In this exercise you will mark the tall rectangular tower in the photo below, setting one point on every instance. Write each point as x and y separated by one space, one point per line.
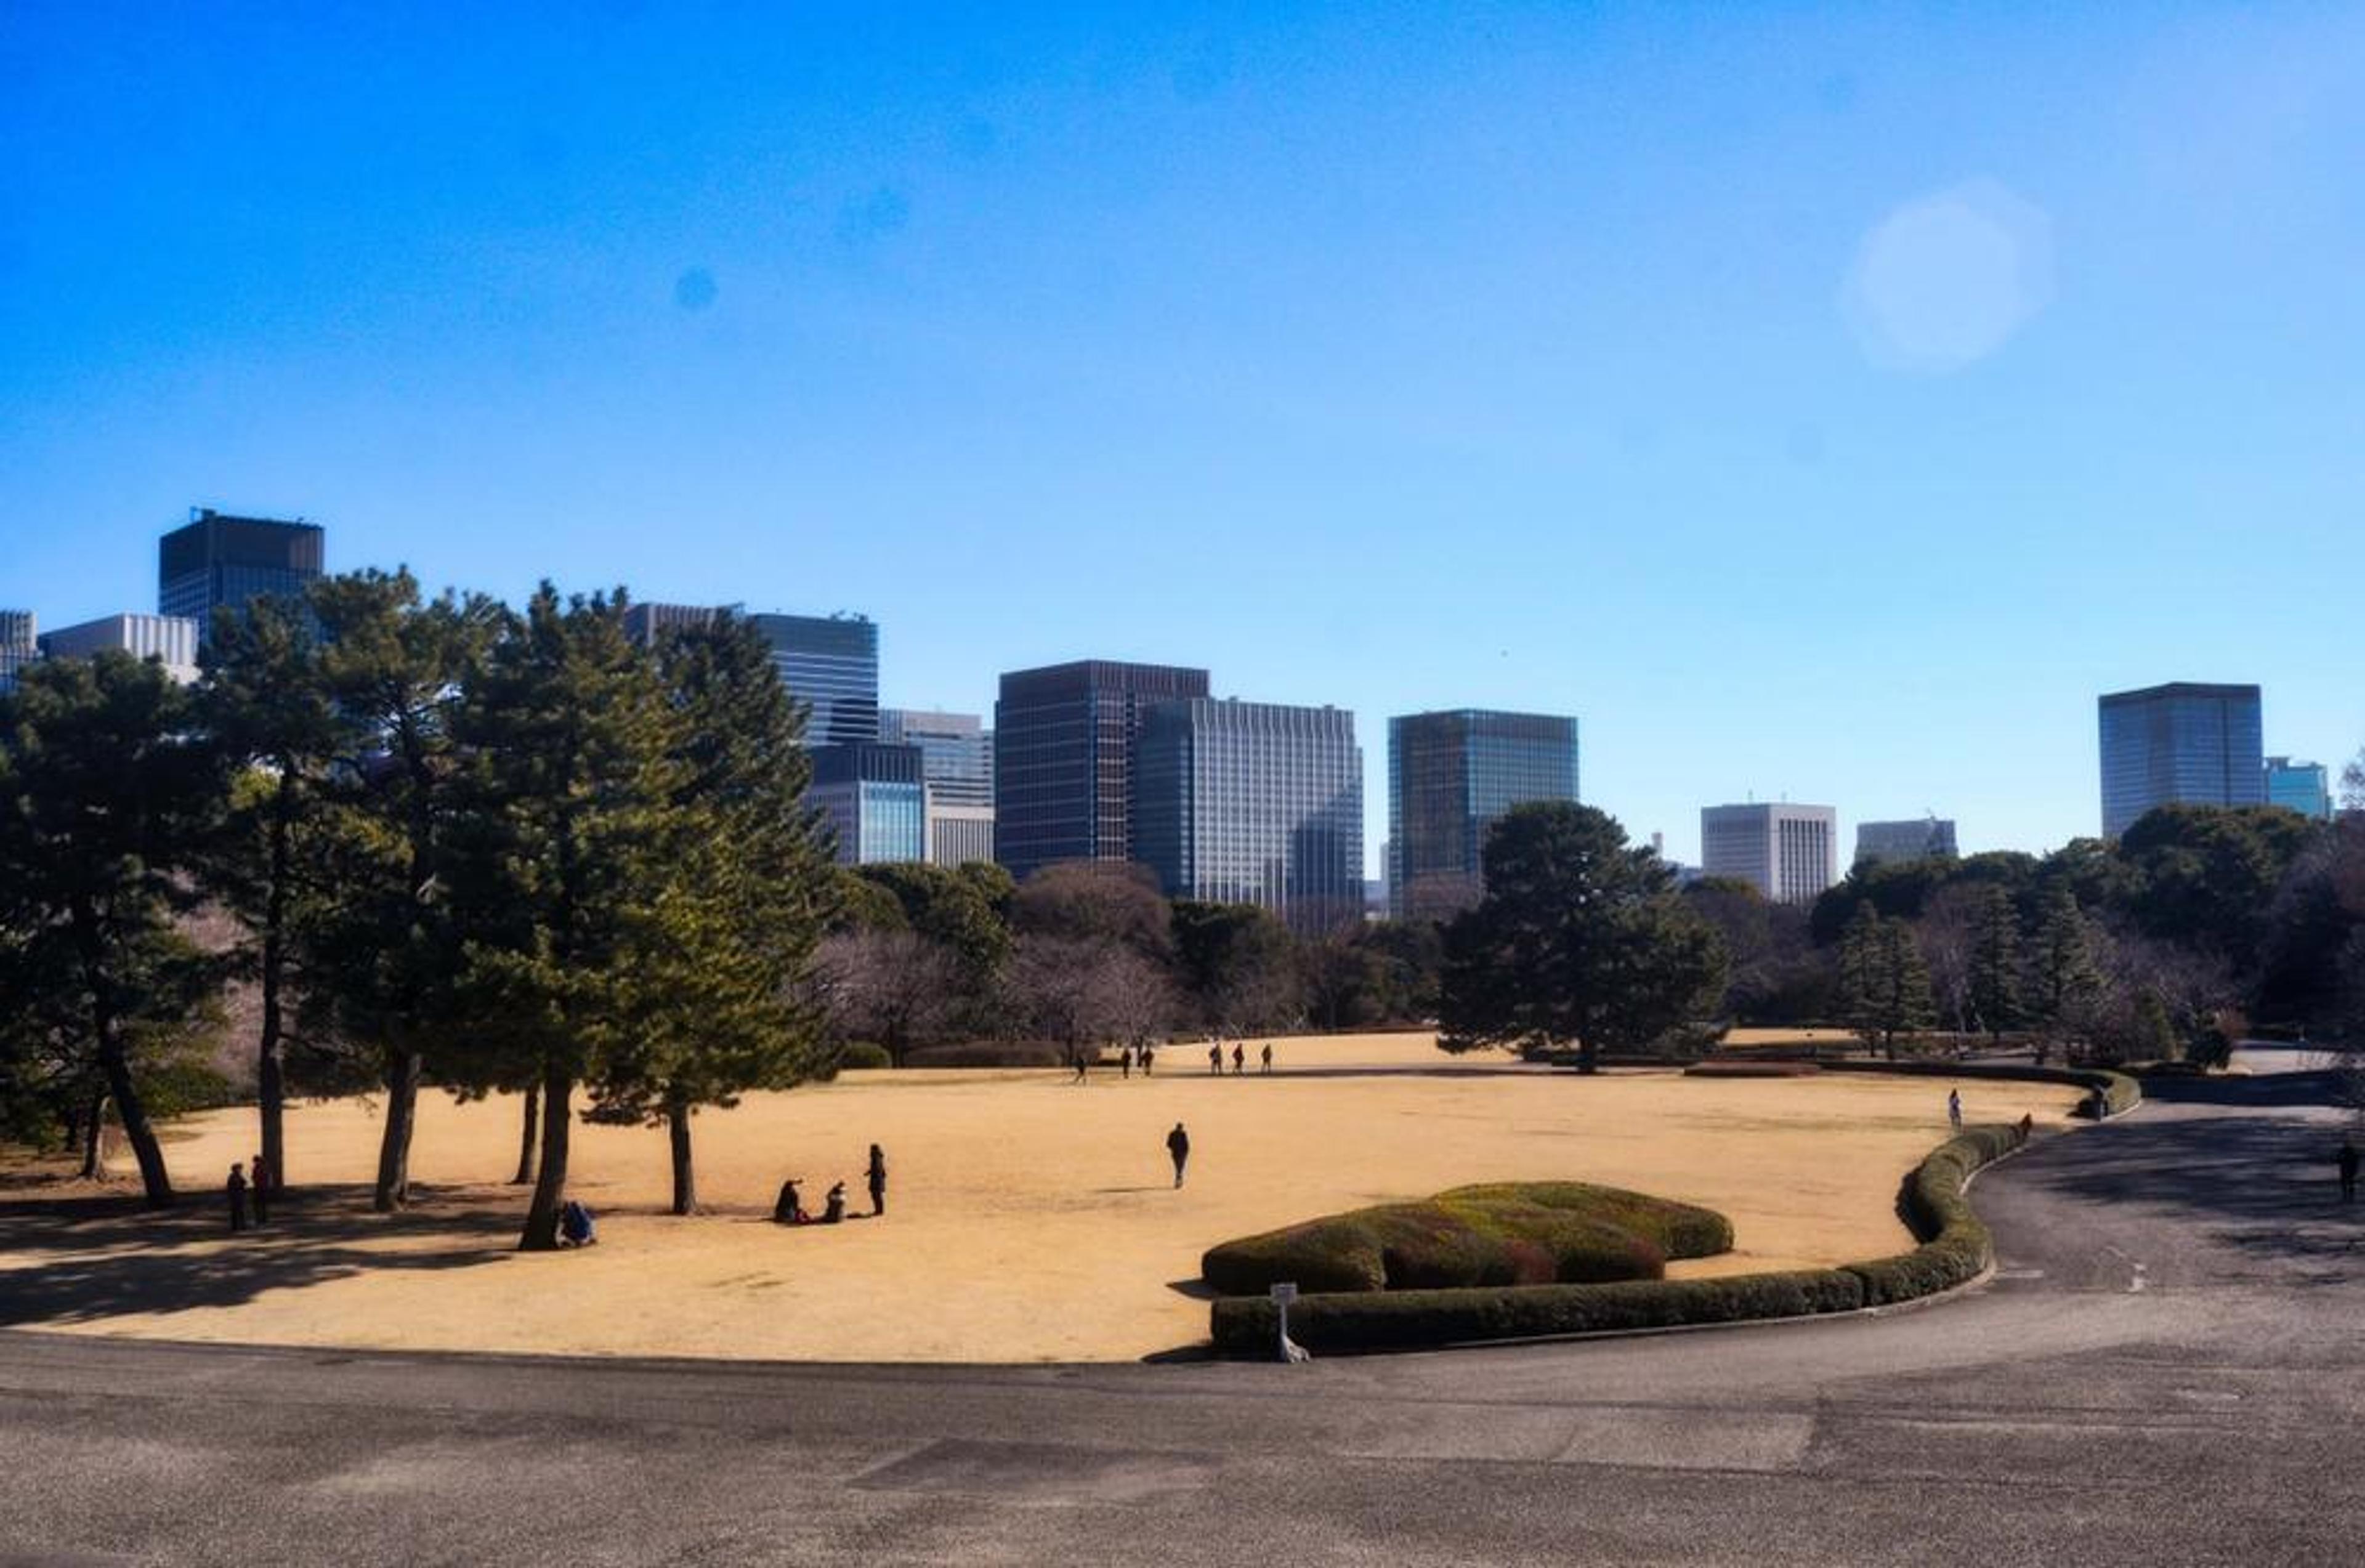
1253 802
1785 852
219 560
2185 742
1063 739
829 663
19 644
1451 775
957 761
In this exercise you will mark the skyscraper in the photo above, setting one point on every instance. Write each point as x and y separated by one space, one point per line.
956 760
829 663
19 644
218 560
171 640
1253 802
874 799
2302 786
2182 743
1451 775
1919 839
1784 851
1063 739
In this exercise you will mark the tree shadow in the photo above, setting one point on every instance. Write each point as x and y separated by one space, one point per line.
108 1256
1197 1290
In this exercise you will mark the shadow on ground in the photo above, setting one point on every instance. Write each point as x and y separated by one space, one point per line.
115 1258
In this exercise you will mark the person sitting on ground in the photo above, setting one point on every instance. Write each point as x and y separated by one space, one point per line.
575 1226
834 1207
790 1209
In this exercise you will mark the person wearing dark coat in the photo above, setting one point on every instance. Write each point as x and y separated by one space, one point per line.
1178 1145
262 1189
790 1207
235 1189
832 1208
877 1175
1239 1060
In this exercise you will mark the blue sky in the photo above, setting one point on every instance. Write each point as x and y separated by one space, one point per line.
1819 401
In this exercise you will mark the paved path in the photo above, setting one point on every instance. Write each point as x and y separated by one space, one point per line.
2170 1370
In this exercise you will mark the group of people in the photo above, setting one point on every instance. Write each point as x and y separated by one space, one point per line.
790 1207
1239 1059
250 1197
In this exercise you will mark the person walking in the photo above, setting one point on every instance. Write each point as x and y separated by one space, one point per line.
1955 1109
262 1189
1125 1063
1267 1055
877 1175
1239 1060
1216 1060
1178 1145
2347 1161
235 1189
1149 1059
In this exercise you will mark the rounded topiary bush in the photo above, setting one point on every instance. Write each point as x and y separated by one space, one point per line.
1500 1234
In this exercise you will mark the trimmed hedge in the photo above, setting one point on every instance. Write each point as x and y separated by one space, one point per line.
1730 1068
1503 1234
2120 1092
1956 1248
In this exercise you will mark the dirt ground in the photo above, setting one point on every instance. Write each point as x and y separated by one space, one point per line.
1030 1218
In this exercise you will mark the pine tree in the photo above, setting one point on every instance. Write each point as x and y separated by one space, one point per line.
1995 962
715 960
558 868
105 801
1884 982
2062 977
383 944
266 704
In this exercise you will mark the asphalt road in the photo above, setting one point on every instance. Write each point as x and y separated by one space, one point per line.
2169 1368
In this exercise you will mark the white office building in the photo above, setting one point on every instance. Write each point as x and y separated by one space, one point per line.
1786 852
170 639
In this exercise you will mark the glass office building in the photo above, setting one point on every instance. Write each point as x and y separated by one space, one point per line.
19 646
2186 742
1063 741
874 799
219 560
829 663
2302 786
1253 802
1451 775
1925 838
956 750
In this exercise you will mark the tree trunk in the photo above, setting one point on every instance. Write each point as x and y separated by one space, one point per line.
526 1129
93 1149
155 1181
270 1078
393 1190
685 1179
550 1186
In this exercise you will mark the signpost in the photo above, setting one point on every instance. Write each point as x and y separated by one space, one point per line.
1288 1349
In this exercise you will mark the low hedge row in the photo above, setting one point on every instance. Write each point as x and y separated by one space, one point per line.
1956 1248
2120 1092
1513 1233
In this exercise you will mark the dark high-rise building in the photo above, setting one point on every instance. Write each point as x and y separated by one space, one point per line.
1451 775
829 663
2185 742
874 801
1253 802
1063 739
218 560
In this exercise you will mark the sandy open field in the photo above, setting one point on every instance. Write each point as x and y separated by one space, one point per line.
1030 1218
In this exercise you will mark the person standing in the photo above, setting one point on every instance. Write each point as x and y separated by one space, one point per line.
1149 1059
262 1185
877 1175
2347 1161
1267 1055
1178 1146
1955 1109
1216 1060
1125 1063
1239 1059
236 1188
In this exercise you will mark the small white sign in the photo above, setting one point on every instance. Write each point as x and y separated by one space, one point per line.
1284 1294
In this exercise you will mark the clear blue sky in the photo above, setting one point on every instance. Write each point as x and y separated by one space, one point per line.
1821 402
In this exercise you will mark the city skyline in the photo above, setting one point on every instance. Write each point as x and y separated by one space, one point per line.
1596 375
